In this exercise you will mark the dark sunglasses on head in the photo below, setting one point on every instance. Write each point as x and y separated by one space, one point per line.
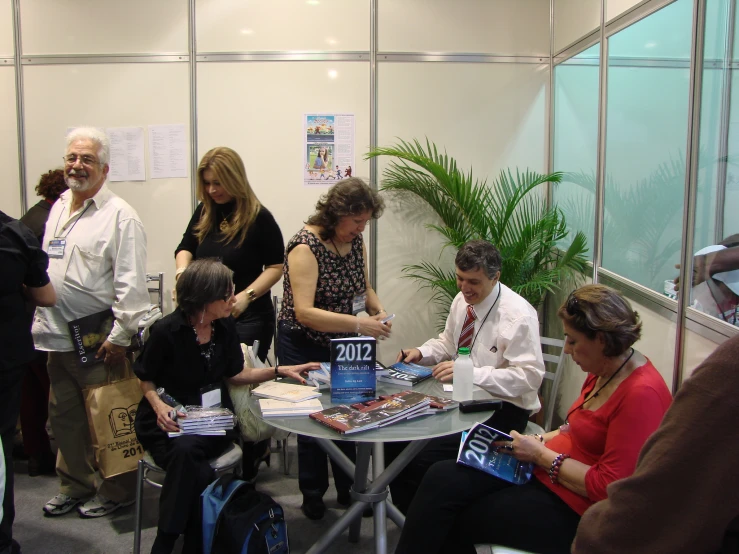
572 306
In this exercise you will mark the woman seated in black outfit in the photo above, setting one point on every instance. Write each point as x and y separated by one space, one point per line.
192 349
232 225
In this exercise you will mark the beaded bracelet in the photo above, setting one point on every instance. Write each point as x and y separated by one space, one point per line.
538 436
554 468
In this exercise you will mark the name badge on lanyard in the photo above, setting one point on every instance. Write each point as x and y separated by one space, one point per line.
358 303
210 396
56 248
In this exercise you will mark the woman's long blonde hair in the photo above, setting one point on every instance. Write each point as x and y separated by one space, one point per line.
228 169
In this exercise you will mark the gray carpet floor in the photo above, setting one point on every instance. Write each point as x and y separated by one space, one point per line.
113 534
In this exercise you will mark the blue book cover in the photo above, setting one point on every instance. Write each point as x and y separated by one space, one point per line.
353 369
478 451
405 374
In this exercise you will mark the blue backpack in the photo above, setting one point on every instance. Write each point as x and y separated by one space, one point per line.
240 520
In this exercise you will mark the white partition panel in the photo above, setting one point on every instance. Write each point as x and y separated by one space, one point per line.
574 19
487 116
103 26
6 29
238 26
10 196
114 96
614 8
257 109
492 26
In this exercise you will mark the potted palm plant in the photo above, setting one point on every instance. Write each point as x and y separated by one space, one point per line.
511 213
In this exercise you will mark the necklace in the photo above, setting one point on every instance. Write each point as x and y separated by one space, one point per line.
567 419
224 225
338 252
207 354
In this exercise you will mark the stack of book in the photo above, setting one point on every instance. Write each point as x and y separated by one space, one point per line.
283 408
285 391
205 421
380 412
404 374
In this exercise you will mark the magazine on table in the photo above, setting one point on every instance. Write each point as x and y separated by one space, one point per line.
280 408
371 414
477 451
285 391
404 374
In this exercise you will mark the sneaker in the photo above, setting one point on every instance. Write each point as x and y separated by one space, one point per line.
99 506
60 504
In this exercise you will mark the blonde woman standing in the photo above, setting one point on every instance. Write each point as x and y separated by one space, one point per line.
232 225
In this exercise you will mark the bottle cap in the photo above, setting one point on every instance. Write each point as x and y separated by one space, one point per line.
464 351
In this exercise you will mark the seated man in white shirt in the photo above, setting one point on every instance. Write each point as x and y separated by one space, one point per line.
502 333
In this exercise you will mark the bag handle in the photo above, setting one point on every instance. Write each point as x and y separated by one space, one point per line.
121 370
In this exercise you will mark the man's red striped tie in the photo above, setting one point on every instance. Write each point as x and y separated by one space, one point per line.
468 329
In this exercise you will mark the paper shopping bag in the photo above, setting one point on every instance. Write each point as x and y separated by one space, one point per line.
111 412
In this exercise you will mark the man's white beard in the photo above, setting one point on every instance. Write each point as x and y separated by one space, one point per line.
78 185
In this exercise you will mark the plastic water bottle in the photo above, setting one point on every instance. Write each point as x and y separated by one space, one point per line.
463 376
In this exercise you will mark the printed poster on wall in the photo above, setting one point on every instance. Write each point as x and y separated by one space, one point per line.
329 148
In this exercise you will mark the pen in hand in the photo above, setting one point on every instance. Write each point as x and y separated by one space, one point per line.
402 359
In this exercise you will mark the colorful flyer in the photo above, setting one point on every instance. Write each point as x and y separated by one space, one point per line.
328 148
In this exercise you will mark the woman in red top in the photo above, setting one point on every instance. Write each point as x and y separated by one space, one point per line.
622 402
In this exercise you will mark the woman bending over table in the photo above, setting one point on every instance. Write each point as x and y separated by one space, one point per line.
621 403
325 288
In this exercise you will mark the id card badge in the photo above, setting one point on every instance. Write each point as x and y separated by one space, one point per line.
359 303
210 396
56 248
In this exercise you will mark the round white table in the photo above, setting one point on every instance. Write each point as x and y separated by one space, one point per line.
370 444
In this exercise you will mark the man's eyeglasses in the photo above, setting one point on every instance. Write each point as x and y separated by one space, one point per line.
71 159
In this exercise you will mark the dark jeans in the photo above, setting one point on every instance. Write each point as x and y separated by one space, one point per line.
294 348
260 326
404 486
457 507
10 405
188 474
35 409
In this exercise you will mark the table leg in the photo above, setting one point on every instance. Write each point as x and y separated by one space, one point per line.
379 486
378 466
360 483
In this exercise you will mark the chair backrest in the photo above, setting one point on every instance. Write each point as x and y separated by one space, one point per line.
155 283
555 360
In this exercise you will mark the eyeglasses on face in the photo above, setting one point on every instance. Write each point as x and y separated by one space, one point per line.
230 294
71 159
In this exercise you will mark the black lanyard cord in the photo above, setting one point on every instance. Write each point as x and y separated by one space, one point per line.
56 228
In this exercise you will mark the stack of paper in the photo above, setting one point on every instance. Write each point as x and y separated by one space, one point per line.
282 408
285 391
205 421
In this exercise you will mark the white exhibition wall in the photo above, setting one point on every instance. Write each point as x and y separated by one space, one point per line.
489 115
10 198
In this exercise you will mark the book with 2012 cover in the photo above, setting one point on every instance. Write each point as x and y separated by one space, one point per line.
353 376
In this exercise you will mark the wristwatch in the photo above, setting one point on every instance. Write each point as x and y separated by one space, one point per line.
252 295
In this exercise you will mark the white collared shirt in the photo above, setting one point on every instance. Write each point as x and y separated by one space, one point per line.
104 266
506 352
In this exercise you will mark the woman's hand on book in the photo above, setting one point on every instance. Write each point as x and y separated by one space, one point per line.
298 371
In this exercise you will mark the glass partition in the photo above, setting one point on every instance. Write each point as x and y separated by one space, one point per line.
716 293
576 140
647 125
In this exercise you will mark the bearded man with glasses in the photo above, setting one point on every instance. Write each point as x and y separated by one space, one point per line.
97 261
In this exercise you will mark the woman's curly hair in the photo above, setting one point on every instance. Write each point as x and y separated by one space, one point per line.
52 184
349 196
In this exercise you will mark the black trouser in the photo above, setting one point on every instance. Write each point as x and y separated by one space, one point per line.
185 459
405 485
253 326
10 405
457 507
294 348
